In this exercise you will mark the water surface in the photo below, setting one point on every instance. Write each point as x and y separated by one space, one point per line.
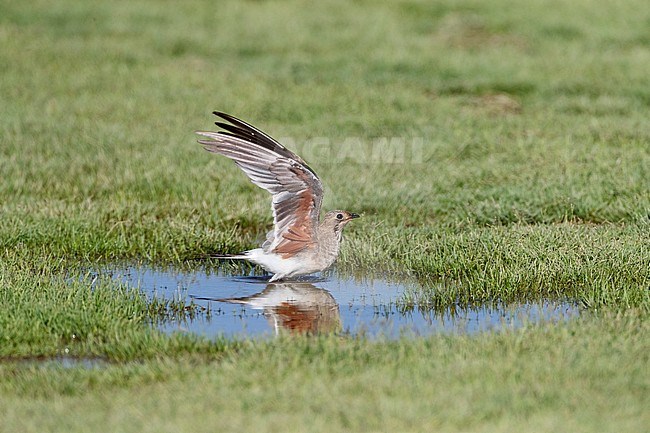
64 362
250 306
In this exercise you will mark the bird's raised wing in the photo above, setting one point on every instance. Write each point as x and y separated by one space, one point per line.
297 191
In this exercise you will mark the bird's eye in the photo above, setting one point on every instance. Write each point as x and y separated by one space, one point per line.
339 216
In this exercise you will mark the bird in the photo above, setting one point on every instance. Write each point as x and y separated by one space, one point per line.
299 243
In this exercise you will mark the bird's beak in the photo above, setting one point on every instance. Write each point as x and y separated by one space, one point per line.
354 215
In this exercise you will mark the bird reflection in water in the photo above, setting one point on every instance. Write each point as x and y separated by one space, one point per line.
295 307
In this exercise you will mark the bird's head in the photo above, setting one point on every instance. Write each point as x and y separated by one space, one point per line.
338 218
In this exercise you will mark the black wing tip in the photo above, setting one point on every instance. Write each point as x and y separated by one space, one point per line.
243 130
235 123
229 117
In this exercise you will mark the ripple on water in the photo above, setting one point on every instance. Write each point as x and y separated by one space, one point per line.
250 306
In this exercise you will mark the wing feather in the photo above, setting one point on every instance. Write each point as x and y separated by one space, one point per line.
297 191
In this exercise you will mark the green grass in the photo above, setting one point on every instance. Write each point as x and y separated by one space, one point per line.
590 376
533 181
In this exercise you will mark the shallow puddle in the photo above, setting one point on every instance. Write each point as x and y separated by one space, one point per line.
250 306
65 362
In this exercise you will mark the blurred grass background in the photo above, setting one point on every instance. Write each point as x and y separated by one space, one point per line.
533 182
